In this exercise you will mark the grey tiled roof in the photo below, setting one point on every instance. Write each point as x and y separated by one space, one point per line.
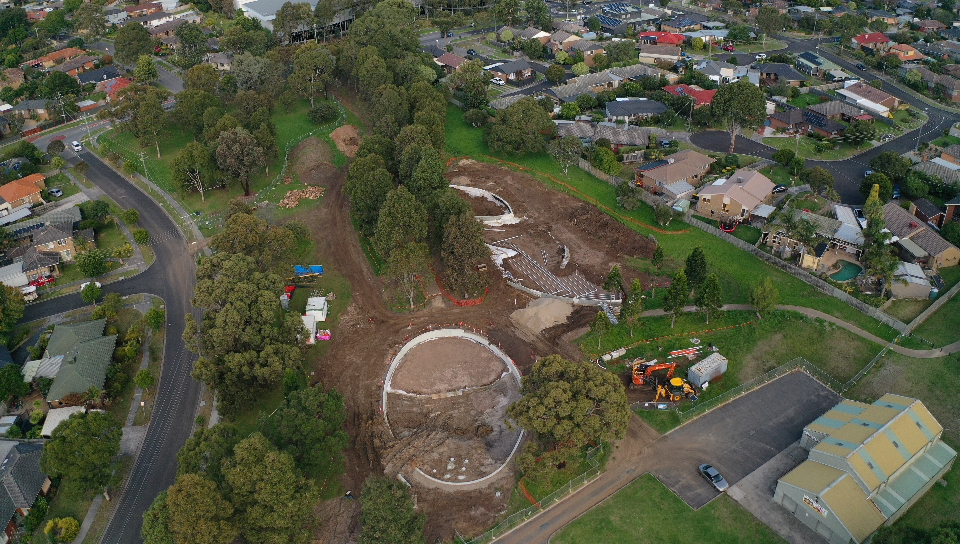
835 107
926 207
21 478
629 108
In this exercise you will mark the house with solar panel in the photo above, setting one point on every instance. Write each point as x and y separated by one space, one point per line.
867 465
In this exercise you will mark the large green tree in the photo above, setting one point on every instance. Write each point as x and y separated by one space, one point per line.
891 164
132 40
709 296
403 220
572 403
12 307
696 267
244 339
309 426
239 155
818 178
82 450
206 451
765 297
521 128
631 309
155 528
742 104
678 295
247 234
859 132
462 253
878 257
193 45
12 384
387 513
274 502
368 184
198 513
566 151
882 181
471 80
312 70
193 169
89 19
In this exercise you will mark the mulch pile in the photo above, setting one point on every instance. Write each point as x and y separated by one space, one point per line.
293 197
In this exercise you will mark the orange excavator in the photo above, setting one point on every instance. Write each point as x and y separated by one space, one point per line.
643 370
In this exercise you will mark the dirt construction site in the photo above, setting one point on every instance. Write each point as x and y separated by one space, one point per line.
446 399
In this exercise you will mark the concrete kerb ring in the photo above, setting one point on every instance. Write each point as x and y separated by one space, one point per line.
450 333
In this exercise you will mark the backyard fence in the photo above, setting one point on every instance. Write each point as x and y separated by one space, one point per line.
517 518
649 198
802 275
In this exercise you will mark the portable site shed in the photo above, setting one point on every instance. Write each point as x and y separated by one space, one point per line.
709 369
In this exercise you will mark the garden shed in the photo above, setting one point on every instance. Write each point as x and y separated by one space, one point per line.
709 369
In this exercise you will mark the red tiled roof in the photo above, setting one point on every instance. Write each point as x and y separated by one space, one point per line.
664 38
451 60
20 188
873 37
702 96
114 86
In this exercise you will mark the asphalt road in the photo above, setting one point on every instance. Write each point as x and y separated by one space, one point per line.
171 277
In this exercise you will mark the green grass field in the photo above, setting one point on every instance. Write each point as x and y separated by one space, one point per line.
739 271
647 512
807 150
805 100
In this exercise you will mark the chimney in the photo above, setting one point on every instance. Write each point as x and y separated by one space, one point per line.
739 179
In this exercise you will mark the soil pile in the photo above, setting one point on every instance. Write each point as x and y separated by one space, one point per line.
293 198
347 139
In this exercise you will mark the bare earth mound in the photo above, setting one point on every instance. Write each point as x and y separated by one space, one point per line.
347 140
310 161
446 364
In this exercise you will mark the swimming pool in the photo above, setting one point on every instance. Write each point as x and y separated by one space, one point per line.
848 271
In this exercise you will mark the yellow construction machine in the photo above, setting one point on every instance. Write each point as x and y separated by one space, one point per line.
675 390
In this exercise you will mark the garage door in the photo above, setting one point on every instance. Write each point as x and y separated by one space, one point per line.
789 504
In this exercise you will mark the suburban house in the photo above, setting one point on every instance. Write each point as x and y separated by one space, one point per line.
606 80
661 38
619 137
876 42
588 48
791 120
909 281
450 62
822 125
515 70
631 110
686 166
52 59
56 238
23 481
681 24
651 53
99 75
811 63
561 40
718 72
928 212
12 275
843 111
734 197
948 85
113 87
570 27
952 154
864 96
36 262
806 120
867 465
880 15
56 416
701 96
76 65
31 109
776 73
952 209
77 358
23 191
115 16
918 242
531 33
142 10
221 61
166 30
930 25
945 170
907 53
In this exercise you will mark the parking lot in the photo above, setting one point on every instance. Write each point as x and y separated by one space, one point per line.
738 437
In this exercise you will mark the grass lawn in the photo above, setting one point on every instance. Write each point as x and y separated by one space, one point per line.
65 185
778 175
941 327
907 310
647 512
807 151
805 100
290 126
807 201
739 271
946 141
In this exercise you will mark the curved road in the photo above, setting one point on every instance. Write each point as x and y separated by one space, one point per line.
848 173
171 277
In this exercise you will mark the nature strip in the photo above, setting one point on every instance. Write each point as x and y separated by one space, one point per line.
647 341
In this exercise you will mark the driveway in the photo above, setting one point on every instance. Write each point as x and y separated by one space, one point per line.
172 278
738 437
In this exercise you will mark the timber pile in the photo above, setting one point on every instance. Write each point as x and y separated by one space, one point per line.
292 198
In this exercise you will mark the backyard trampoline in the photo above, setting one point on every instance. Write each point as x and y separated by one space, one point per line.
848 271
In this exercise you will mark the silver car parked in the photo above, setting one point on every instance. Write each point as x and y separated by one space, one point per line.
713 476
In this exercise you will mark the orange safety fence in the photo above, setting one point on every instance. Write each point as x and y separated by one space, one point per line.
523 489
458 301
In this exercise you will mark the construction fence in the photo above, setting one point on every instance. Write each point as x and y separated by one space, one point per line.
518 518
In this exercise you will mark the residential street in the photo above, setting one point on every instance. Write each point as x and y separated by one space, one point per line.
171 277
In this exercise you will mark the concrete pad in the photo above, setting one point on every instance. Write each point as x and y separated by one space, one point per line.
132 439
755 493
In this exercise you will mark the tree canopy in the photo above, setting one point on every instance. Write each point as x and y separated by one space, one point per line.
742 104
82 449
247 234
521 128
387 514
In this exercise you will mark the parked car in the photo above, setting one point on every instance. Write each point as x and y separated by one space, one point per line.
29 293
779 188
498 81
867 173
76 146
42 280
56 192
761 56
896 191
886 138
861 218
860 66
85 284
713 476
729 47
472 52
